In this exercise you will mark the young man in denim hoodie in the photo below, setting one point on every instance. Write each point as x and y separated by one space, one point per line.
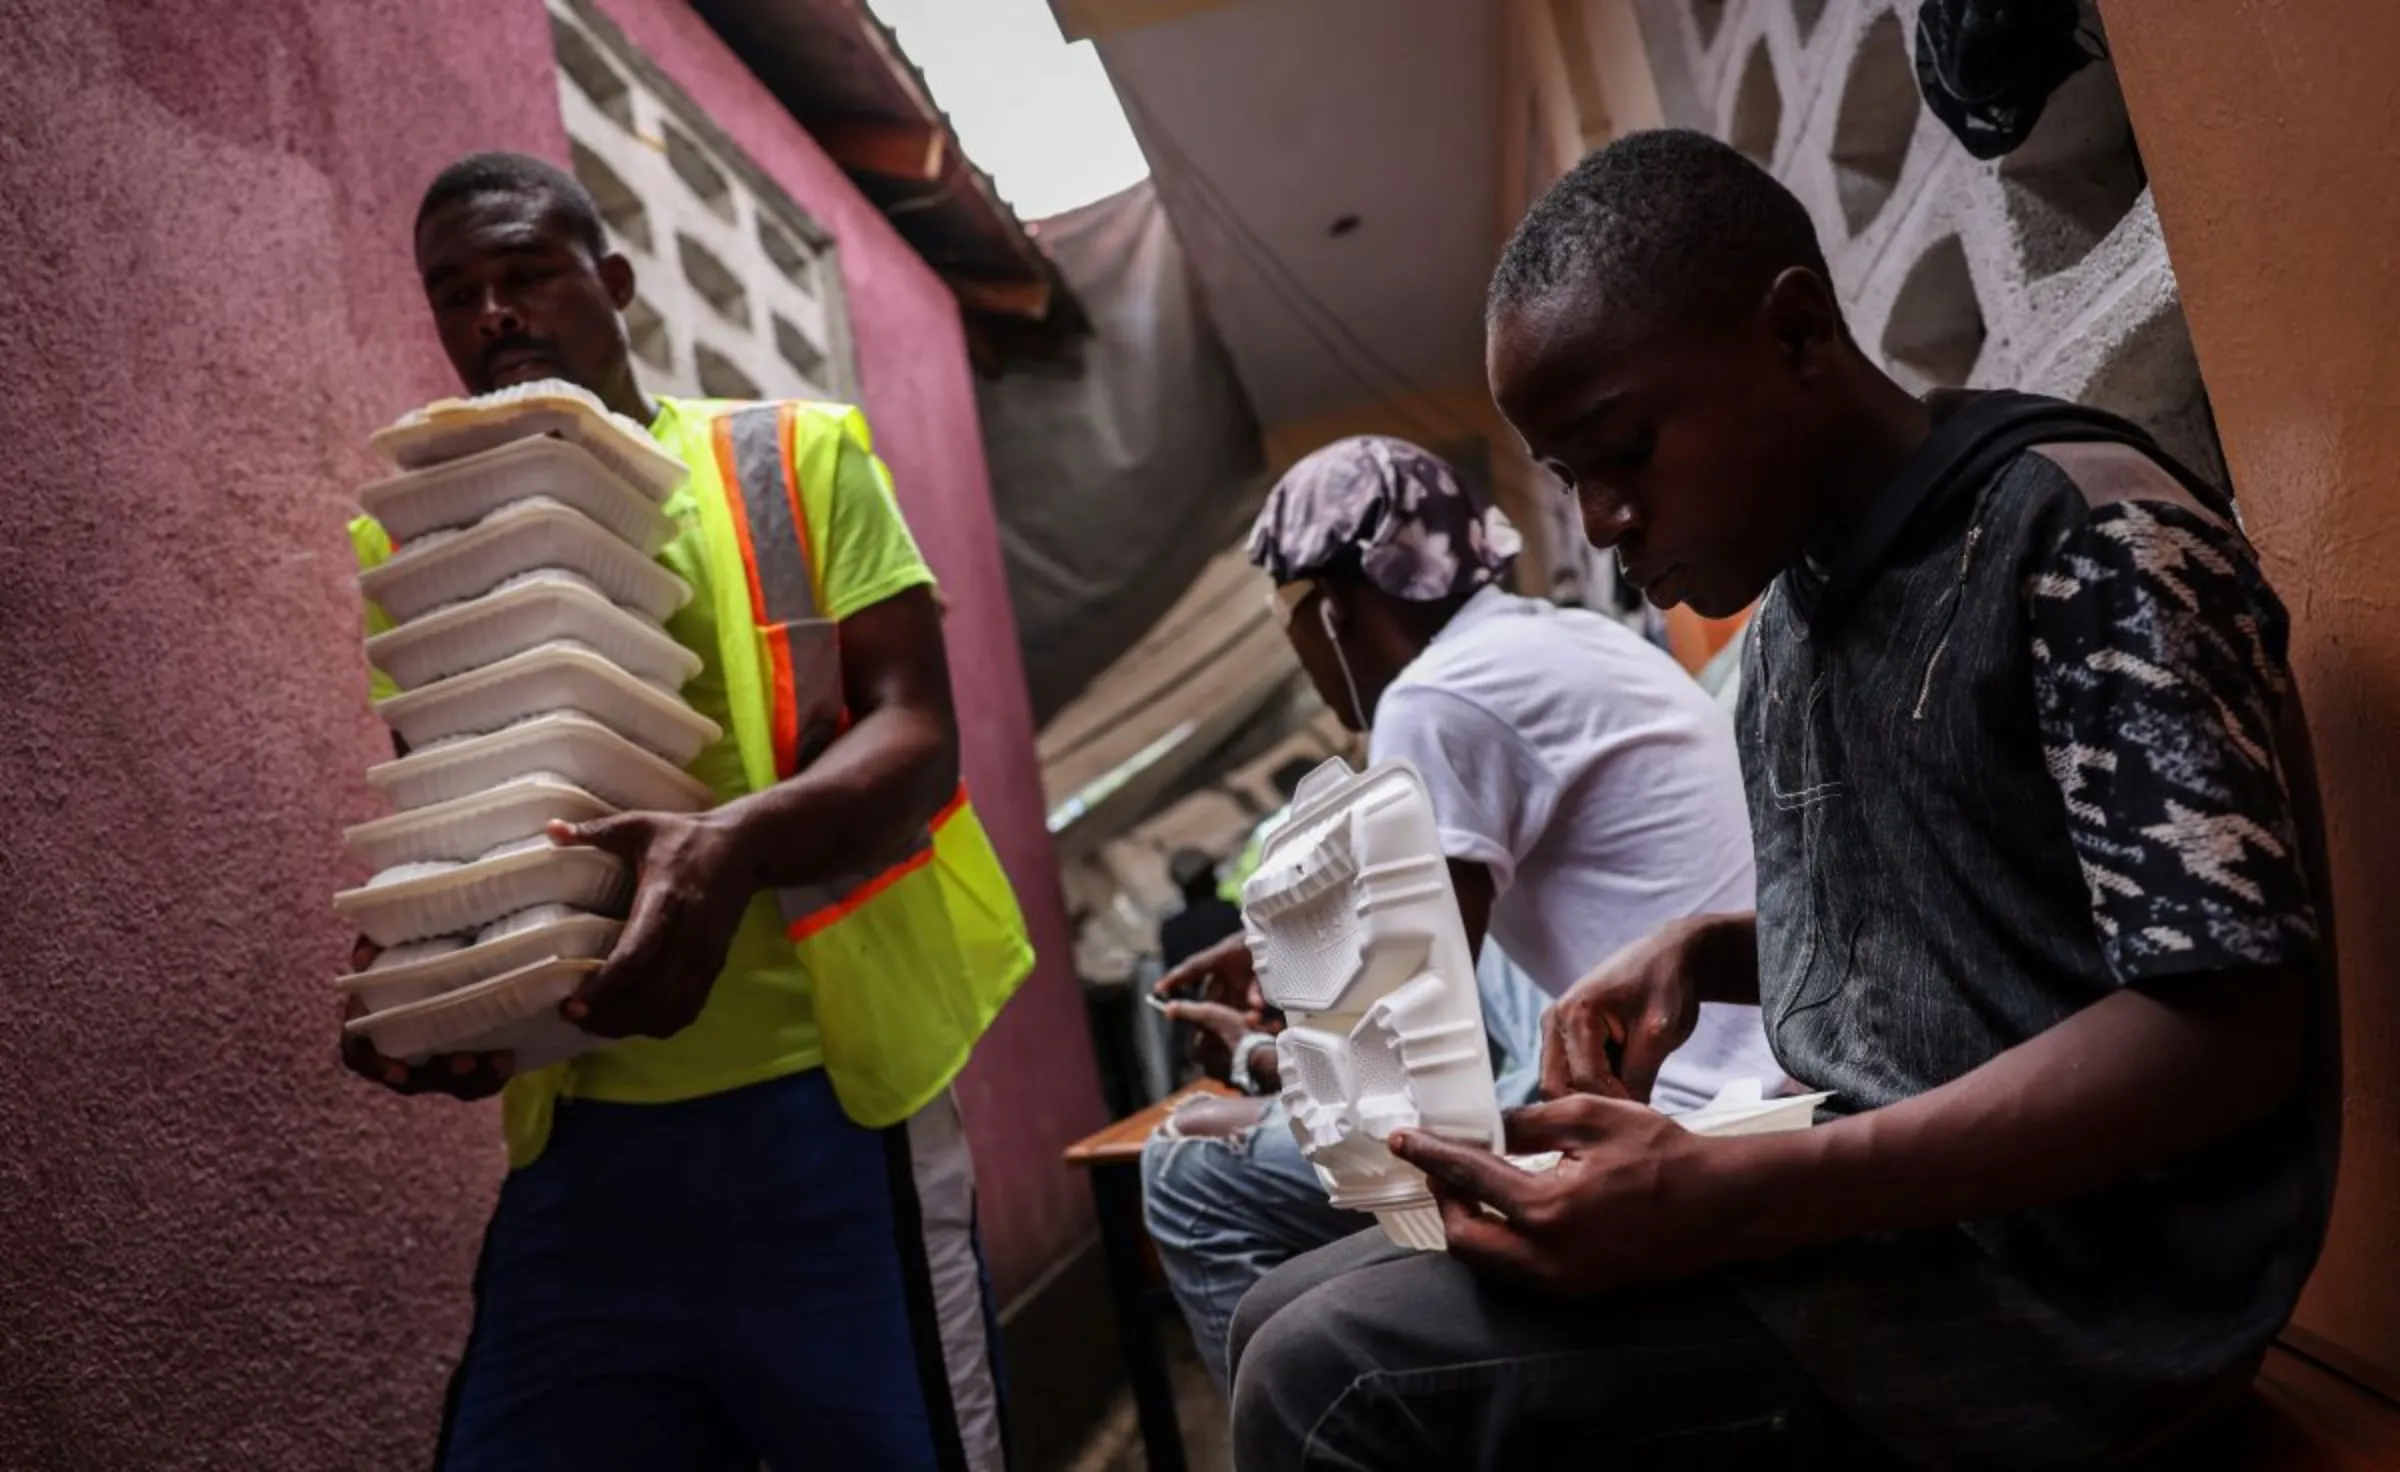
2034 824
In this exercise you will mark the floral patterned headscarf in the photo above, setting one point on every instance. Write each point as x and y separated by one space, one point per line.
1420 535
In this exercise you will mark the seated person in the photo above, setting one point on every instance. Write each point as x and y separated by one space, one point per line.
2035 834
1206 917
1584 787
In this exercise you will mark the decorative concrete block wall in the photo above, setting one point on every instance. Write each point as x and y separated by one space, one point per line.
739 291
2043 271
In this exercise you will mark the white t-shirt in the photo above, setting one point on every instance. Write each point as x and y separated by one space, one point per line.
1599 785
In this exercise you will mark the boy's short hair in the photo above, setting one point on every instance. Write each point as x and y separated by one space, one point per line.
518 173
1665 221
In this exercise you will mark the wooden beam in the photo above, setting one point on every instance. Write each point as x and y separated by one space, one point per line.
1028 298
911 151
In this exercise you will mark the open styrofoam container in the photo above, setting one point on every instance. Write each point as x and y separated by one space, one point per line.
474 895
1358 940
573 747
449 429
1744 1107
515 1012
517 538
464 492
469 827
580 938
557 676
497 625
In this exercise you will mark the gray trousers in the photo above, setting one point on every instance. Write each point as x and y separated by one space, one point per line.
1365 1356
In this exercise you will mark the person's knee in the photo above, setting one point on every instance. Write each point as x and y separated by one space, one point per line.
1291 1361
1178 1186
1266 1300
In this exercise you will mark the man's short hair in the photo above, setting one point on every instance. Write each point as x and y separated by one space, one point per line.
1670 223
517 173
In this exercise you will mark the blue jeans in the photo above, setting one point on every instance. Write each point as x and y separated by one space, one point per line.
1226 1212
739 1278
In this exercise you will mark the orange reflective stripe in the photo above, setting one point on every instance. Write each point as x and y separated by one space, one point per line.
783 701
809 924
851 901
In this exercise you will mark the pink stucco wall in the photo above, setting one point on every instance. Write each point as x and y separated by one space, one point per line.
1033 1087
216 1250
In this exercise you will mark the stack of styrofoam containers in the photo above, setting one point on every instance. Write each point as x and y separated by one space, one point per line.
537 684
1357 936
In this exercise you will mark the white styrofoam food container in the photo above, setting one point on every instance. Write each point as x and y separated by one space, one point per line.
515 1012
449 429
468 827
497 625
470 896
517 538
579 938
572 748
558 676
1358 940
464 492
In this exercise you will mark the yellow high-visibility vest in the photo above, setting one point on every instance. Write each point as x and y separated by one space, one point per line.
909 962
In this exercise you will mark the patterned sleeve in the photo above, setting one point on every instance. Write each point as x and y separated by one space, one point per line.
2159 681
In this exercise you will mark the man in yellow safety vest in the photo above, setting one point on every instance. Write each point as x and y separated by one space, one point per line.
745 1232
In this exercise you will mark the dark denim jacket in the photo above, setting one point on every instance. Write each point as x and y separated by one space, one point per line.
1921 910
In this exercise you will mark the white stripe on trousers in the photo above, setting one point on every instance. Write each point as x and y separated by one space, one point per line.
945 1187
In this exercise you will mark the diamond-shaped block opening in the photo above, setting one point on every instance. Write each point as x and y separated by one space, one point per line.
719 378
593 74
1878 117
698 171
798 350
789 255
647 332
2076 176
714 280
2152 377
1708 18
1806 14
1936 332
620 208
1757 109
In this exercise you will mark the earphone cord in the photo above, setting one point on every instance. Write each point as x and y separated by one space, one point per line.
1358 707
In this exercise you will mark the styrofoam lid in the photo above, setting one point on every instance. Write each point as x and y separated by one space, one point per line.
575 749
561 675
515 1012
448 428
467 897
532 533
578 936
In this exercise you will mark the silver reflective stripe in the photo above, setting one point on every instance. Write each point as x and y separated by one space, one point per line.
781 563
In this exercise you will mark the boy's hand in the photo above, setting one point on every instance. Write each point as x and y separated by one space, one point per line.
689 895
1225 974
1608 1214
1610 1033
